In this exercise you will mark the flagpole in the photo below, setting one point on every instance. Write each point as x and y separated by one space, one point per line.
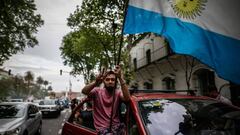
119 55
121 40
114 25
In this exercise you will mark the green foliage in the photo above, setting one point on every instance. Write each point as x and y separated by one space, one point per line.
87 48
45 82
98 14
83 51
40 81
4 87
18 87
18 24
49 88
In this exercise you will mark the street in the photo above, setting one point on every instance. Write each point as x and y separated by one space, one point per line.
53 126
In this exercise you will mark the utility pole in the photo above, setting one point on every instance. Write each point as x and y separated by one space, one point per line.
70 83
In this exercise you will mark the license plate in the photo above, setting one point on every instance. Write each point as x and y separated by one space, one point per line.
45 112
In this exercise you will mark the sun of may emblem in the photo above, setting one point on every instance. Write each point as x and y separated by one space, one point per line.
188 9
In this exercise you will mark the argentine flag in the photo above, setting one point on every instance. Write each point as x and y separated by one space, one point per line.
208 30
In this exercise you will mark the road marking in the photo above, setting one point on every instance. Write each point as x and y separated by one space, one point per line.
60 131
62 124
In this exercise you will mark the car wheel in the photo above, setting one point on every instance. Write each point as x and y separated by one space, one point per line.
39 131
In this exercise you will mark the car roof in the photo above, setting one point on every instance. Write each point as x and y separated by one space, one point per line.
145 95
15 103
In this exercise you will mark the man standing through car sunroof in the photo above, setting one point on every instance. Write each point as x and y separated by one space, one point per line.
106 101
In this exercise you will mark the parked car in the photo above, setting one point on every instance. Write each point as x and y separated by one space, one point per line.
20 119
61 104
50 107
155 113
15 100
65 103
36 102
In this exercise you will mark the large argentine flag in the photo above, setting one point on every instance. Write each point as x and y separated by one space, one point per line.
209 30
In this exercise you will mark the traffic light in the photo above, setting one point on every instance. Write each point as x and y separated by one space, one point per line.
60 71
9 72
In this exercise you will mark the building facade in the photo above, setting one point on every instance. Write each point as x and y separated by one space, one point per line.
157 67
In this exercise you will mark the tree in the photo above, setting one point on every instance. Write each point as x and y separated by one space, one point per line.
190 63
13 86
39 81
49 88
18 24
45 82
29 77
5 87
19 85
82 51
95 40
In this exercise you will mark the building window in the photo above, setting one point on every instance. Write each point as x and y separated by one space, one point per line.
203 79
135 63
148 84
148 55
168 83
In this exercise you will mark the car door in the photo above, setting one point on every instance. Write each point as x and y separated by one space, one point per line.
73 129
133 120
30 121
37 118
75 126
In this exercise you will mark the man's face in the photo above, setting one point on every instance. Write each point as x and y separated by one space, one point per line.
110 80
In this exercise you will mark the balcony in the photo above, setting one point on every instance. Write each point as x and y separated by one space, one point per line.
151 56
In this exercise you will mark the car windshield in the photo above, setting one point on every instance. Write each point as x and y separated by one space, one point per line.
11 111
47 102
189 117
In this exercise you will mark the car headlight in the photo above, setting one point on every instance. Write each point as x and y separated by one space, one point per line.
15 131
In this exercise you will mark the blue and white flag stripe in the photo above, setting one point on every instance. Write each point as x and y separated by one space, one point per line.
212 36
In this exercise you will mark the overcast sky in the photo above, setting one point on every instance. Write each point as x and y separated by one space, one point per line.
45 60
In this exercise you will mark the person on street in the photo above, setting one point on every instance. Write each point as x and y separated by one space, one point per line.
74 103
106 101
214 93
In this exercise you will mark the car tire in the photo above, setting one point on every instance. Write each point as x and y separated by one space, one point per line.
39 131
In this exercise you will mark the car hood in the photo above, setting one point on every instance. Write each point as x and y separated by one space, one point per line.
8 124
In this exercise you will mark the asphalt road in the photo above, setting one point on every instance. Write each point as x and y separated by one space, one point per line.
53 126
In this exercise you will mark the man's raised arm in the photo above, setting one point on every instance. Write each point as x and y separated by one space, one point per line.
86 90
124 87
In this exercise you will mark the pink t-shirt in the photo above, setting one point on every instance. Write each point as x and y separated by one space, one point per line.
102 107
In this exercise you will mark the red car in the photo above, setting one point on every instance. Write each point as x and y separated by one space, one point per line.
156 113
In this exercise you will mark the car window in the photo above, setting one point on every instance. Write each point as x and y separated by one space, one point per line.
132 126
31 110
12 111
47 102
189 117
35 109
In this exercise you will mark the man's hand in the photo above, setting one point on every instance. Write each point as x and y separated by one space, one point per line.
86 89
100 77
118 71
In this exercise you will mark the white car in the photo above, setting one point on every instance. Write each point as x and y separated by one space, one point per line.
20 118
16 100
50 107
